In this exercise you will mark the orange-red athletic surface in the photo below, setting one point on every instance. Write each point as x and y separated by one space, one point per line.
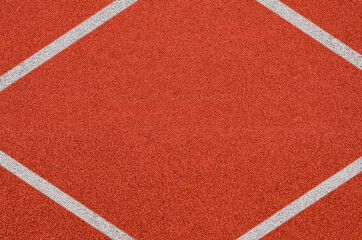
340 18
186 119
25 214
26 26
337 216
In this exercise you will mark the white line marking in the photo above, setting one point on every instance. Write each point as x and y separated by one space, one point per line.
63 42
29 65
109 229
314 31
62 198
304 201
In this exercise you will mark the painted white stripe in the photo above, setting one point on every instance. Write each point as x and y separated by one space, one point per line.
104 226
62 198
314 31
304 201
63 42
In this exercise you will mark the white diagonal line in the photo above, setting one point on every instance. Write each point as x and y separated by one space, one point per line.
342 176
104 15
304 201
62 198
314 31
29 65
63 42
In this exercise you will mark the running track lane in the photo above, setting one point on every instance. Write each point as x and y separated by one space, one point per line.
205 132
341 18
337 216
12 9
305 201
26 213
26 26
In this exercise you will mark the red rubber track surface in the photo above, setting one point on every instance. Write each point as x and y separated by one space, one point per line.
337 216
187 119
28 214
26 26
341 18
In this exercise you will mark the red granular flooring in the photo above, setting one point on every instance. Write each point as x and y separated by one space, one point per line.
26 26
28 214
337 216
187 120
340 18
